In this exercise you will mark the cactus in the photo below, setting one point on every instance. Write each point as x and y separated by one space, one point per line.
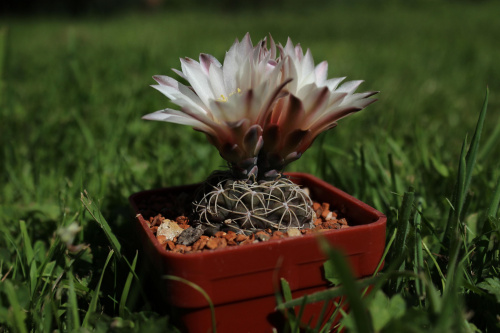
262 111
252 205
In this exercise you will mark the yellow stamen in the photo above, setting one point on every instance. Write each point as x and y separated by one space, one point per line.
223 98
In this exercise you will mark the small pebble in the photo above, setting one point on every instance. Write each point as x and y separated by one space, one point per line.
293 232
169 229
262 236
181 237
189 236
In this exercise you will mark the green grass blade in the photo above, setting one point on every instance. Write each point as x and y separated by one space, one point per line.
28 250
495 201
18 253
351 288
394 185
3 54
47 316
202 292
418 257
338 291
403 219
453 231
73 317
402 232
126 288
430 255
386 251
297 321
18 313
290 325
95 297
474 145
322 316
97 216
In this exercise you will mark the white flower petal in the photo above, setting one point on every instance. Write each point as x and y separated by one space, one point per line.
216 79
206 60
350 86
332 84
182 93
197 79
173 116
321 73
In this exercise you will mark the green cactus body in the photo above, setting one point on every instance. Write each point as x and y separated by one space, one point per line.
252 205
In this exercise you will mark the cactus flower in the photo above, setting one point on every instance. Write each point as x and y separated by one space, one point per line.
260 109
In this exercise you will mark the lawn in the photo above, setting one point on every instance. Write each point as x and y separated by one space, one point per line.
72 93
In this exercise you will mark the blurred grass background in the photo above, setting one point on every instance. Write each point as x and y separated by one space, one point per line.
74 88
74 83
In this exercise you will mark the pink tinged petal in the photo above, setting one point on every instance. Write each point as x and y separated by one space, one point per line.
270 65
320 100
350 86
293 141
292 116
309 139
175 116
237 131
231 152
258 146
292 157
263 116
206 60
166 81
321 72
252 139
336 98
362 103
298 52
332 84
178 72
359 99
328 120
197 79
277 110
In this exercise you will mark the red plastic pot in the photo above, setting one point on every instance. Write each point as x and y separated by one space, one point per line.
242 280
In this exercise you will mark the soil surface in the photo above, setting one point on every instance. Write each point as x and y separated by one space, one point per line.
169 221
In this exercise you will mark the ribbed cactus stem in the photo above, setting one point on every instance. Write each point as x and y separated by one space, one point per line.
277 204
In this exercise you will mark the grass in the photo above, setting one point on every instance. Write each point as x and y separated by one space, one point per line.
71 96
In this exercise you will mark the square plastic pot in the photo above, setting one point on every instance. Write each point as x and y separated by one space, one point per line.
241 281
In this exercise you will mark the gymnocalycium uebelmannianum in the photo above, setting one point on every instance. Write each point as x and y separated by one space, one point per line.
261 110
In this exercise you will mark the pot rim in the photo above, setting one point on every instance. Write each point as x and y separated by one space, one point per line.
378 219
